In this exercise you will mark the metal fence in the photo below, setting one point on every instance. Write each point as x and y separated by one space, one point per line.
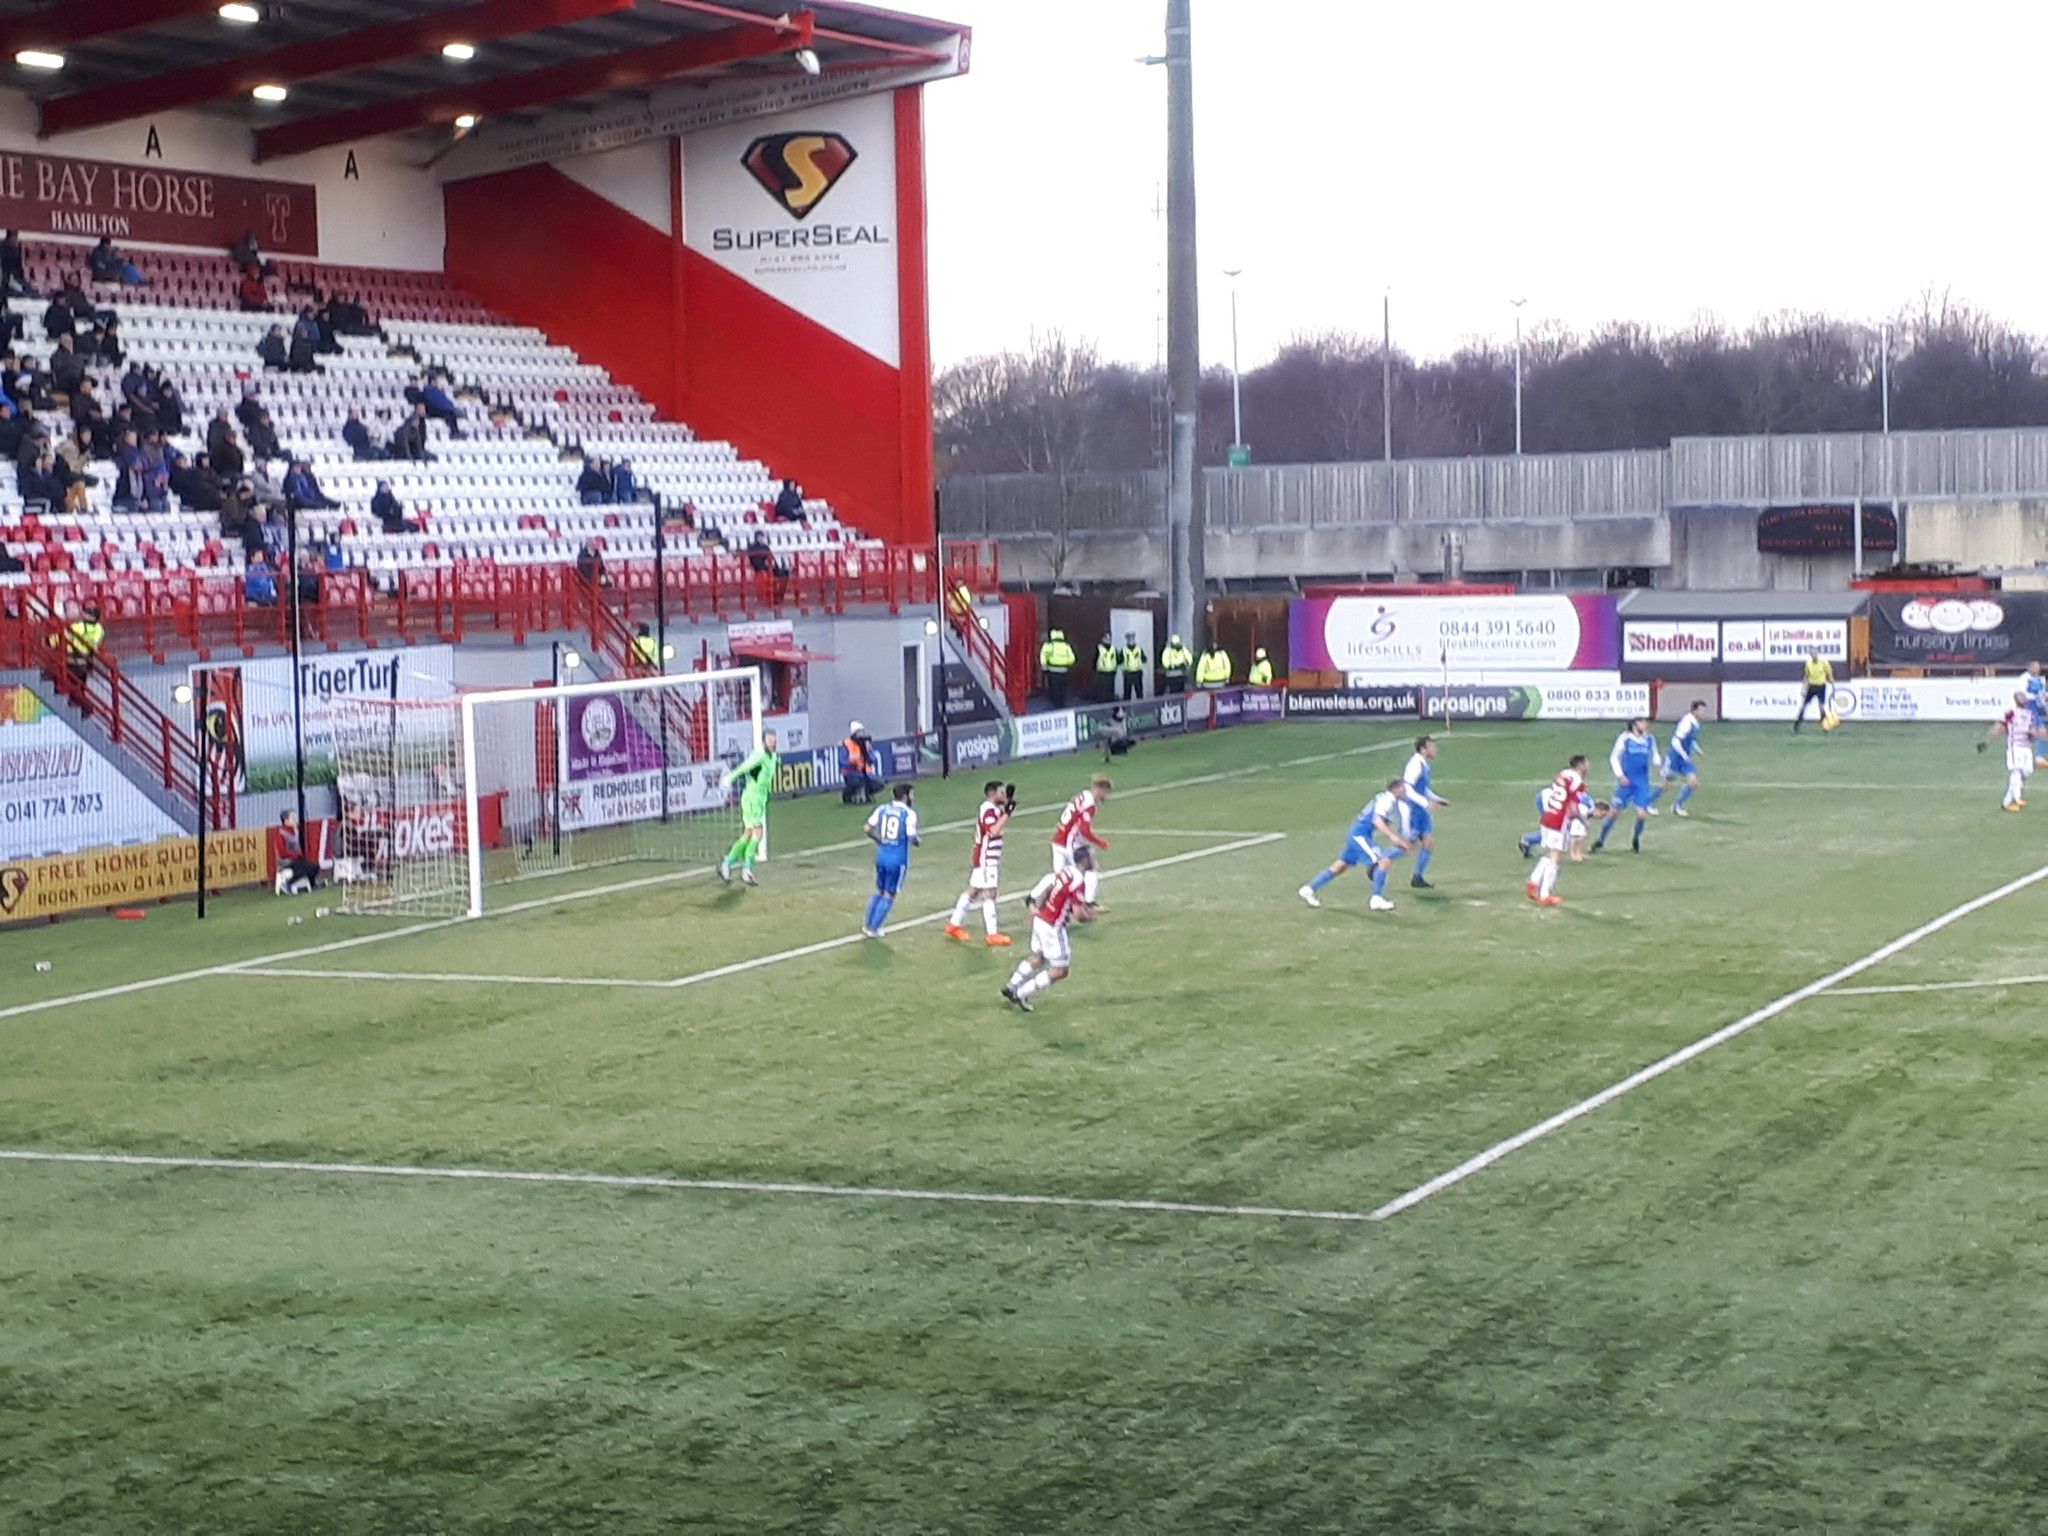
1540 487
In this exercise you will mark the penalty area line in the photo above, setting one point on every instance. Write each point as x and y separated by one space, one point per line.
737 967
1678 1058
1938 986
631 1181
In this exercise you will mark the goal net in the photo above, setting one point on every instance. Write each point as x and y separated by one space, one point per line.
443 799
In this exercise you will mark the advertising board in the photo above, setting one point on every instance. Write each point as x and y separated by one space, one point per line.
1564 699
115 877
1043 735
2003 629
1390 701
1410 637
1876 700
57 793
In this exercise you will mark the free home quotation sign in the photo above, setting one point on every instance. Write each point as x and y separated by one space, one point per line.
1411 638
56 195
803 207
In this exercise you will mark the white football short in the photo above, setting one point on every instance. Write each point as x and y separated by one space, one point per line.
1062 857
1553 840
1050 943
984 877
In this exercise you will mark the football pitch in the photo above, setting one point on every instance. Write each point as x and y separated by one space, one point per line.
659 1206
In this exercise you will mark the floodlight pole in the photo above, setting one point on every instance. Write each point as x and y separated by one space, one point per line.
1188 584
298 648
202 762
1236 373
1387 374
661 639
1518 303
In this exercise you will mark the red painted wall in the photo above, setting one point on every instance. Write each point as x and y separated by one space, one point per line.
704 346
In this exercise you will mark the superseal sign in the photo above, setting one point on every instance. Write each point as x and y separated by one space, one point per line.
1404 638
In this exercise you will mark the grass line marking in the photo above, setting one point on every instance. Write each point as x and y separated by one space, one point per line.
1700 1047
737 967
285 957
678 1185
1938 986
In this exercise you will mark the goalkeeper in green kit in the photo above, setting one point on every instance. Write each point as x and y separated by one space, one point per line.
756 780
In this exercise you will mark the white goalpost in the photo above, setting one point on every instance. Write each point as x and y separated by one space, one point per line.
442 799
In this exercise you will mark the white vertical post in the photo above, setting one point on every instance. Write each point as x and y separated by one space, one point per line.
472 812
753 675
1518 303
1856 529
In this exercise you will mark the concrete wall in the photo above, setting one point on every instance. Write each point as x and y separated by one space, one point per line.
1714 549
1975 534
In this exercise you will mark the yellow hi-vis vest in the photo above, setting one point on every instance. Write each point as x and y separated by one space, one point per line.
83 637
1261 674
1105 658
1213 671
1056 656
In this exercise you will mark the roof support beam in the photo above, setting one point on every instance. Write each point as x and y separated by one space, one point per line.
80 21
416 36
628 70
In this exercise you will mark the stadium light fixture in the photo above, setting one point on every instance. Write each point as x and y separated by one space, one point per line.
931 627
460 53
668 652
241 14
571 660
39 58
270 93
467 121
808 61
182 694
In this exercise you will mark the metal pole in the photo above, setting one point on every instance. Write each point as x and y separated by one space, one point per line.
1518 303
291 525
1884 375
1387 374
1856 528
939 689
1183 333
203 762
558 721
661 641
1236 375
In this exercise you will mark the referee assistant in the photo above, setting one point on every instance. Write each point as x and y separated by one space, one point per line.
1820 677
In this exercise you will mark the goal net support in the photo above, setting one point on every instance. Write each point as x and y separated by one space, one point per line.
444 799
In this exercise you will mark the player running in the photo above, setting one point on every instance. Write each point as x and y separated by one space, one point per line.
1680 763
1634 761
2016 725
1565 805
1077 825
1058 899
892 828
2036 687
984 873
1375 838
755 779
1422 801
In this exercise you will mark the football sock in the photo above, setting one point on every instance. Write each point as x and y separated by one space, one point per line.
753 851
1658 793
1323 878
1685 794
2015 782
1422 858
1546 878
959 918
1379 880
1606 827
988 915
1039 981
739 847
1635 840
884 905
1090 884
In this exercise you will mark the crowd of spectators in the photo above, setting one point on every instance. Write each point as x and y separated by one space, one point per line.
603 483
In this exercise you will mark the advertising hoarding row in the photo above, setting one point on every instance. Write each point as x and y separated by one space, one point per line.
1402 638
1706 648
57 792
1879 700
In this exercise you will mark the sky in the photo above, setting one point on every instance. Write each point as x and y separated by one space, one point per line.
1646 162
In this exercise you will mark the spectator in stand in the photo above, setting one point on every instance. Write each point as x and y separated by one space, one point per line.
269 485
271 349
305 342
324 332
12 429
239 520
12 328
30 388
108 265
170 405
156 472
75 451
138 393
439 404
83 309
247 256
34 477
349 317
385 507
127 473
251 293
296 874
223 447
624 487
302 489
109 349
410 440
263 441
249 407
594 485
277 537
761 560
310 570
196 485
14 268
789 503
87 412
590 565
259 583
67 368
58 319
357 436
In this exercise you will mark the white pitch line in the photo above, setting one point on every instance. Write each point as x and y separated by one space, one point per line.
737 967
1700 1047
150 984
698 1186
1938 986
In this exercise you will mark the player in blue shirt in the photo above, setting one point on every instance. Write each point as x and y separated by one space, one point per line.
892 828
1376 838
1422 802
1682 762
2036 688
1634 761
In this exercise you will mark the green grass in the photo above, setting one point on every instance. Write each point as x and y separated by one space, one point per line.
1792 1286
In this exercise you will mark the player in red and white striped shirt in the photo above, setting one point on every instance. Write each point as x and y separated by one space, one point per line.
984 874
1565 808
1076 826
1055 901
2016 725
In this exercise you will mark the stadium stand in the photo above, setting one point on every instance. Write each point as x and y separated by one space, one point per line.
498 515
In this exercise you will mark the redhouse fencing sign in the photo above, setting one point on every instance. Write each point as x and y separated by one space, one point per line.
56 195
